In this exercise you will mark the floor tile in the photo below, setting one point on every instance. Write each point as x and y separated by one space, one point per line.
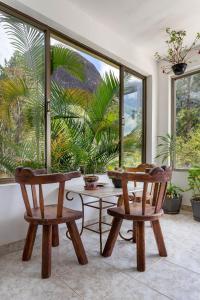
174 277
172 280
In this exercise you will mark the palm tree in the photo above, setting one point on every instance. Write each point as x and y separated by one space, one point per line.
87 135
84 125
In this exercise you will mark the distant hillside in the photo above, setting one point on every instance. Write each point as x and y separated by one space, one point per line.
92 77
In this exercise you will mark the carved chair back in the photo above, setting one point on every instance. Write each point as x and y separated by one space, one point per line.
141 168
157 176
35 179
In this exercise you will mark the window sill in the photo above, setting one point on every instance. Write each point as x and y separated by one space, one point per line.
7 181
181 170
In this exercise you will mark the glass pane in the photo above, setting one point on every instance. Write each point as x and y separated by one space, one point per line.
133 87
84 110
187 93
22 70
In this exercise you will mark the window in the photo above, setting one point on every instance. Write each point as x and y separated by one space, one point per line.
61 103
187 120
133 111
22 130
84 110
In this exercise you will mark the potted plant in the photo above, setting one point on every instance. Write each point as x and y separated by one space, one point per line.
166 152
116 182
194 186
173 199
91 182
178 55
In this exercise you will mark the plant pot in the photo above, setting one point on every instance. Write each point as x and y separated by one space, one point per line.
179 69
117 182
196 208
172 205
91 182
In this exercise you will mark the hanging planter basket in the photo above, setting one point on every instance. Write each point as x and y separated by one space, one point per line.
178 54
179 69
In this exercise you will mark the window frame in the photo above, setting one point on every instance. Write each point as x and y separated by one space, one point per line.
173 109
48 32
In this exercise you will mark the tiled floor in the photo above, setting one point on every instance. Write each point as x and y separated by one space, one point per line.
174 277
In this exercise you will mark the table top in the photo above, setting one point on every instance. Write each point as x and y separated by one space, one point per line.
102 192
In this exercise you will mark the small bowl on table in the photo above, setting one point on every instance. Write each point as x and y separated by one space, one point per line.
91 182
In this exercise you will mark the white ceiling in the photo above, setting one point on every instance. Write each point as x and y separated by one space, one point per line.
144 21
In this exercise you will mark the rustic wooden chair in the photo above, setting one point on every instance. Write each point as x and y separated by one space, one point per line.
140 212
49 216
141 168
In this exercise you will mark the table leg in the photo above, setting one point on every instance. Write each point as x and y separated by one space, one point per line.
100 225
83 217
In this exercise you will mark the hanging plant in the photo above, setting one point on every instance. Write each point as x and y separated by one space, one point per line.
178 55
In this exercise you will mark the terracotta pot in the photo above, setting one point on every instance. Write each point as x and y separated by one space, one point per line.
91 182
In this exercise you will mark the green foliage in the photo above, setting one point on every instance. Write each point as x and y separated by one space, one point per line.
194 182
177 52
84 125
188 149
187 121
166 149
68 60
86 135
173 191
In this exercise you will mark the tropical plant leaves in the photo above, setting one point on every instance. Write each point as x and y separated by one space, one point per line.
29 41
67 59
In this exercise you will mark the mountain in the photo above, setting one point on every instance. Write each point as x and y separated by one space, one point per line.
66 80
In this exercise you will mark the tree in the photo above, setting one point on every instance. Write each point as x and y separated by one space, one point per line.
84 125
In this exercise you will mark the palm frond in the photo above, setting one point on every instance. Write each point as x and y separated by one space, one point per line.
29 41
67 59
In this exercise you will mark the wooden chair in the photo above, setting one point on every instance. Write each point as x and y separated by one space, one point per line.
49 216
140 212
141 168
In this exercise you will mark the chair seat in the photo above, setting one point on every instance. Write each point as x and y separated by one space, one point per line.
135 212
50 215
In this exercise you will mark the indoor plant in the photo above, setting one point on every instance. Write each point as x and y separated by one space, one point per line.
194 186
117 182
173 199
166 151
178 55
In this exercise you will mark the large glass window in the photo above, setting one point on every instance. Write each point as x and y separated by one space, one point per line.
61 103
187 120
22 131
84 110
133 112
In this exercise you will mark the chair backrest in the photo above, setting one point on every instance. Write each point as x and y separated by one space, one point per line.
140 168
158 176
33 178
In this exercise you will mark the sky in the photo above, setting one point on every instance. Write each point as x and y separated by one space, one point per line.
6 49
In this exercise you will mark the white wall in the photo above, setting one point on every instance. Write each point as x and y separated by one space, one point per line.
13 227
65 17
164 115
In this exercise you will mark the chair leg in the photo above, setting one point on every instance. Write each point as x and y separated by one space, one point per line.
30 239
159 238
140 241
112 237
46 251
134 232
55 236
77 243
